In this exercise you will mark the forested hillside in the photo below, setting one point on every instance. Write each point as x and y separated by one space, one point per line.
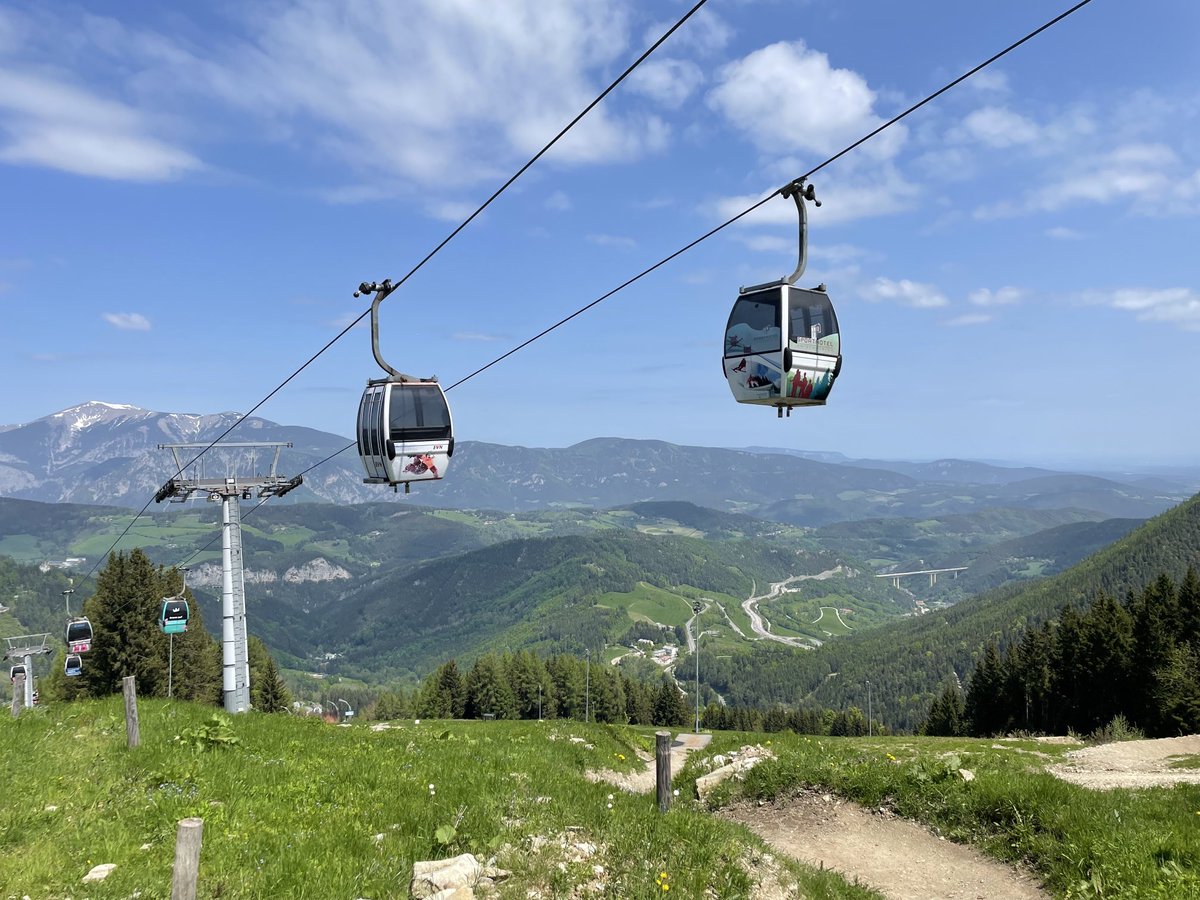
908 661
539 593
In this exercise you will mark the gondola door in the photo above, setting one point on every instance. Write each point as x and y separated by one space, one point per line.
755 364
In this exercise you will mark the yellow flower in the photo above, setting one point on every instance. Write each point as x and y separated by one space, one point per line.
666 887
664 874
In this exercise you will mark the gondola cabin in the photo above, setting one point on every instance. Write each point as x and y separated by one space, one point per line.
782 346
17 671
174 617
405 432
73 665
79 636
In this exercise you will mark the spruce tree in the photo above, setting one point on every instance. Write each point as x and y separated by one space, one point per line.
268 691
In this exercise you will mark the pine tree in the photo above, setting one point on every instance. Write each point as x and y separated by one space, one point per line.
488 692
268 691
443 694
984 691
947 715
670 708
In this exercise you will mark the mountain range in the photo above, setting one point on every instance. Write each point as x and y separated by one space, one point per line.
108 453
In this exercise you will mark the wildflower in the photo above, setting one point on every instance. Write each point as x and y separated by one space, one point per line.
610 796
676 792
610 806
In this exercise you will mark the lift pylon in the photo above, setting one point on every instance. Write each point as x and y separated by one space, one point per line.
228 490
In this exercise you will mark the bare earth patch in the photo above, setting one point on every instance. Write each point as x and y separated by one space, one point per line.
900 859
1130 764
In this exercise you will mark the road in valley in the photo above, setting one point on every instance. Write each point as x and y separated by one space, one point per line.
761 628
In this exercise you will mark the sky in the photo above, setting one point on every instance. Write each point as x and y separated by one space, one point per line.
190 193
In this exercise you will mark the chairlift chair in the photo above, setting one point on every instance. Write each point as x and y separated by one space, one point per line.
782 343
405 431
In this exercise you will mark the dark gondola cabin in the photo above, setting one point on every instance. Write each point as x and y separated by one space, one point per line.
761 366
174 617
405 432
16 672
79 636
74 665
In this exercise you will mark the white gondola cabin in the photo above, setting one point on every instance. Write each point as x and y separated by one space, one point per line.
15 672
762 366
782 344
73 665
79 635
405 431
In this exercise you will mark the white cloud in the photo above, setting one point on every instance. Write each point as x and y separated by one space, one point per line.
905 292
968 319
128 321
46 121
558 201
705 32
476 336
666 81
434 90
1062 233
786 97
1173 306
997 126
1005 296
429 91
1150 177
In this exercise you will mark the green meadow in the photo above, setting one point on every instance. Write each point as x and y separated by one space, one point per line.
296 807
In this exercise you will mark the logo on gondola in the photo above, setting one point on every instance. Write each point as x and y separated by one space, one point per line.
81 646
421 464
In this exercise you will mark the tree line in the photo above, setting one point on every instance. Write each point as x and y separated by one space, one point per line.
1138 659
124 611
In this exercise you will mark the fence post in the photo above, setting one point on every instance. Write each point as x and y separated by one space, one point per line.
129 688
187 859
662 769
18 695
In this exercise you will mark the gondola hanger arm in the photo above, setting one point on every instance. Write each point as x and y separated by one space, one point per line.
800 192
381 289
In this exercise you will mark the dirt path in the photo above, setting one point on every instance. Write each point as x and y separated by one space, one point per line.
1130 764
898 858
644 781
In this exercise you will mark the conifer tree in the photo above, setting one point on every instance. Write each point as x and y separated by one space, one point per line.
947 715
268 691
488 691
443 694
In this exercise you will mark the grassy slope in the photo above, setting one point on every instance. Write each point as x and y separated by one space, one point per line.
299 808
1084 844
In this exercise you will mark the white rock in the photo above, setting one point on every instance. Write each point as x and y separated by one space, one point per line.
100 872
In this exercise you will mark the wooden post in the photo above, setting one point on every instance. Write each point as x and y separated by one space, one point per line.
129 688
187 859
662 769
18 695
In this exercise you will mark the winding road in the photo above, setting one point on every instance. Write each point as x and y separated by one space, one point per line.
762 628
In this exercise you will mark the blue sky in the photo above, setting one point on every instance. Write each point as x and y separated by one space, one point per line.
189 194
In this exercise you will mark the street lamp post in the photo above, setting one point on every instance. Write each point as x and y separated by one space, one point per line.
696 607
870 724
587 685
